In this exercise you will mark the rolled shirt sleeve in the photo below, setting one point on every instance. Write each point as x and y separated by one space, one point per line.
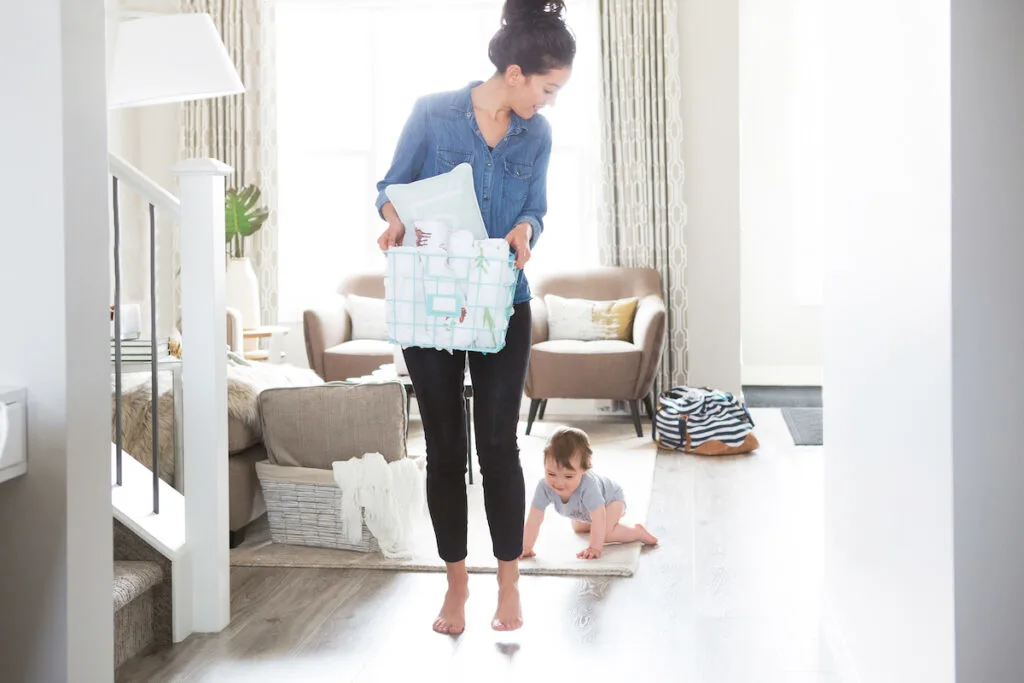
410 153
537 197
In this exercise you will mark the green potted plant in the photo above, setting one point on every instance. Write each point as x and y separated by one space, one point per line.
243 217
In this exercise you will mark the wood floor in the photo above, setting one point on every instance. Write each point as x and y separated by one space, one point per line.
732 595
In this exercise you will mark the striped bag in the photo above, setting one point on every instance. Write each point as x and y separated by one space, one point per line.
703 421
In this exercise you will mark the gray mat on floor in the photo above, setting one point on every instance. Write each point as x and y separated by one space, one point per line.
805 425
782 397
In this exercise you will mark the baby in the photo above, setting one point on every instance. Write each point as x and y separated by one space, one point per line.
595 504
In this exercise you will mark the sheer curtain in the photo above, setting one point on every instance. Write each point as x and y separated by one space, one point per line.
644 215
348 73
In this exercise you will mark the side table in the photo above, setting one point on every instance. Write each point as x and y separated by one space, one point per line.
274 353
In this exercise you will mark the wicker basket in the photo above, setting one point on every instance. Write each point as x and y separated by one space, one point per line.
304 508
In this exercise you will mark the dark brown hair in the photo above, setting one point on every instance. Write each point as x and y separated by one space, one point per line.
534 36
567 442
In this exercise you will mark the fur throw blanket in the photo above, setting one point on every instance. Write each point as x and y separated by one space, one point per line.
245 382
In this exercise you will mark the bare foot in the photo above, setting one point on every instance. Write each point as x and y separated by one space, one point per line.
509 615
452 618
646 537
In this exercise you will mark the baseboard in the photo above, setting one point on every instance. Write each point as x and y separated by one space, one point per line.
782 375
833 632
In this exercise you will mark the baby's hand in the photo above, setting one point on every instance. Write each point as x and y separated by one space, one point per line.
527 554
588 554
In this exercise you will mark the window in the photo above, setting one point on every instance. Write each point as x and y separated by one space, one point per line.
348 73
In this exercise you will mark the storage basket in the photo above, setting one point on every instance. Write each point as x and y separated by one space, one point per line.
439 300
304 508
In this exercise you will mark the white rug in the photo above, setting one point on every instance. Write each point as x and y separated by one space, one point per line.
617 454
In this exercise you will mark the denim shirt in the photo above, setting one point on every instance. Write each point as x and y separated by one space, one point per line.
510 180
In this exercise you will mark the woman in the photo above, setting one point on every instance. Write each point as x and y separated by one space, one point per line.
494 126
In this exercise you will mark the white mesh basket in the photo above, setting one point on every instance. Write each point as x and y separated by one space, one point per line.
440 300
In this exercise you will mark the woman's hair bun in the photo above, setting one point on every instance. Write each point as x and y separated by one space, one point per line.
531 11
533 35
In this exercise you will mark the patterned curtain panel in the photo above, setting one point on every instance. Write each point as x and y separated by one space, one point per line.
241 130
643 214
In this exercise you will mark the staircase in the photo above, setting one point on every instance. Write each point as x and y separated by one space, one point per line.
171 562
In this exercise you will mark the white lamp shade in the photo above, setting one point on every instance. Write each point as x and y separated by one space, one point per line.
170 58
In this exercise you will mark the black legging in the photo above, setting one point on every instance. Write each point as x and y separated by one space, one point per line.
498 380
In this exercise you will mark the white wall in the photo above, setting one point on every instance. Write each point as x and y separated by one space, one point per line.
55 522
988 337
780 190
888 379
709 46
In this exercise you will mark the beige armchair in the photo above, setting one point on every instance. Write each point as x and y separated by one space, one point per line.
332 352
616 370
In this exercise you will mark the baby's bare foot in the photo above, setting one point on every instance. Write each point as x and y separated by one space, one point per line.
509 615
452 618
646 537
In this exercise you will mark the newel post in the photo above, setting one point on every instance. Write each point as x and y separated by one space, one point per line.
204 380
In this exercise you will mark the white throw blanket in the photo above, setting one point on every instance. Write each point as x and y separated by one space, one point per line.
387 496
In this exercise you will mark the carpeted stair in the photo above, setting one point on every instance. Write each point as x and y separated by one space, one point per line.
142 597
134 633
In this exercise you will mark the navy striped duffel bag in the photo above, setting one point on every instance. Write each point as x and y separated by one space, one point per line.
704 422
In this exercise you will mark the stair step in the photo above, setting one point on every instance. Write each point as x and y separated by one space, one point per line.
132 579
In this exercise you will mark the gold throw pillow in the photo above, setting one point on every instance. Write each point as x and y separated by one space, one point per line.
585 320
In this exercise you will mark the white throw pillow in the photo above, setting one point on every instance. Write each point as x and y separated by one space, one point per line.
368 317
585 320
448 198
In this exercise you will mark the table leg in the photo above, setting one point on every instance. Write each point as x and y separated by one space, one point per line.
469 439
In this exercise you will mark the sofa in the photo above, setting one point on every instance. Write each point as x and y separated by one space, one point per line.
348 337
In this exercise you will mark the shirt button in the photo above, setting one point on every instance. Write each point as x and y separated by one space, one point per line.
486 197
488 164
468 114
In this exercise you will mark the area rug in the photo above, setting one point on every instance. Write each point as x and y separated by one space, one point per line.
617 454
805 425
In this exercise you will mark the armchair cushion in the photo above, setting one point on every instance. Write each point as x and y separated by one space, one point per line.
586 320
315 426
368 316
356 358
584 369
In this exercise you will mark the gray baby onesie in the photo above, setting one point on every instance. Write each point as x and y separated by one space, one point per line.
593 492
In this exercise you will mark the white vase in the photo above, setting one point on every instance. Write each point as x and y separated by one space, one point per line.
243 291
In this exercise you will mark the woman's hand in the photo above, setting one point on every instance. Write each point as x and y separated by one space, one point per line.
519 241
392 237
527 554
590 553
